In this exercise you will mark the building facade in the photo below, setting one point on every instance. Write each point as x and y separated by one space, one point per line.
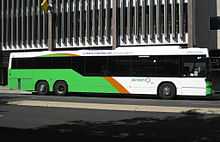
88 23
96 23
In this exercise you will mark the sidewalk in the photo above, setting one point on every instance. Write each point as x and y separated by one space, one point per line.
5 90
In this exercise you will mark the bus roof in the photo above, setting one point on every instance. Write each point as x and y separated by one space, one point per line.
120 51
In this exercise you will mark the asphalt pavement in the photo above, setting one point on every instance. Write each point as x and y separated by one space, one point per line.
103 119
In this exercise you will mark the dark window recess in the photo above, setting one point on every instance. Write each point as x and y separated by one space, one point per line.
157 66
60 62
78 64
31 63
97 66
215 23
41 63
168 66
194 66
75 63
120 66
138 66
143 66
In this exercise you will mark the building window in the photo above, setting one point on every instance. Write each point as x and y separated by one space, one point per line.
215 23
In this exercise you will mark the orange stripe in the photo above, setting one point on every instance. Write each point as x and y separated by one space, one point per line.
117 85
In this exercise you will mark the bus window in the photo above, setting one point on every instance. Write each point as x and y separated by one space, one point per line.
143 66
194 67
120 66
168 66
96 66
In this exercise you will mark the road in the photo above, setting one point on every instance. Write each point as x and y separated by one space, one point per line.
111 117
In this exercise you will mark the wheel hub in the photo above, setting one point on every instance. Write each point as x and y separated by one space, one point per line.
166 91
60 89
42 88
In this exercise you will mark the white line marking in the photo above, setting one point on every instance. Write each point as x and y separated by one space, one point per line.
117 107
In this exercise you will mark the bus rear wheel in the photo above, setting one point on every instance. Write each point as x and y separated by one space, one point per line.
60 88
42 88
167 91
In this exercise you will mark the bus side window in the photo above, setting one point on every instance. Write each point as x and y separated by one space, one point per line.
186 71
194 66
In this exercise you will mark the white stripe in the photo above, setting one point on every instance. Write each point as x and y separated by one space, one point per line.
116 107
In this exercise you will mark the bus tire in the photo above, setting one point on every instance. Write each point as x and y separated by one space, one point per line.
42 87
60 88
167 91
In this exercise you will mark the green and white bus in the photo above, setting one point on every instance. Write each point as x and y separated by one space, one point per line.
166 72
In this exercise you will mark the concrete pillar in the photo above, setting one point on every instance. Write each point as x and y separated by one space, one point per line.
115 25
191 23
51 27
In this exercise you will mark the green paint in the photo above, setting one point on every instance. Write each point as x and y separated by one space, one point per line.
208 88
26 79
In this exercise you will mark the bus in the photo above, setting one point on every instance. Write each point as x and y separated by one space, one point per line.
162 71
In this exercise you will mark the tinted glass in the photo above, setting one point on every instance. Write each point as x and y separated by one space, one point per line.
96 66
215 23
140 66
143 66
168 66
41 63
194 66
120 66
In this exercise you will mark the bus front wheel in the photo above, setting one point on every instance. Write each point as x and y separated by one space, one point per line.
60 88
42 88
167 91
